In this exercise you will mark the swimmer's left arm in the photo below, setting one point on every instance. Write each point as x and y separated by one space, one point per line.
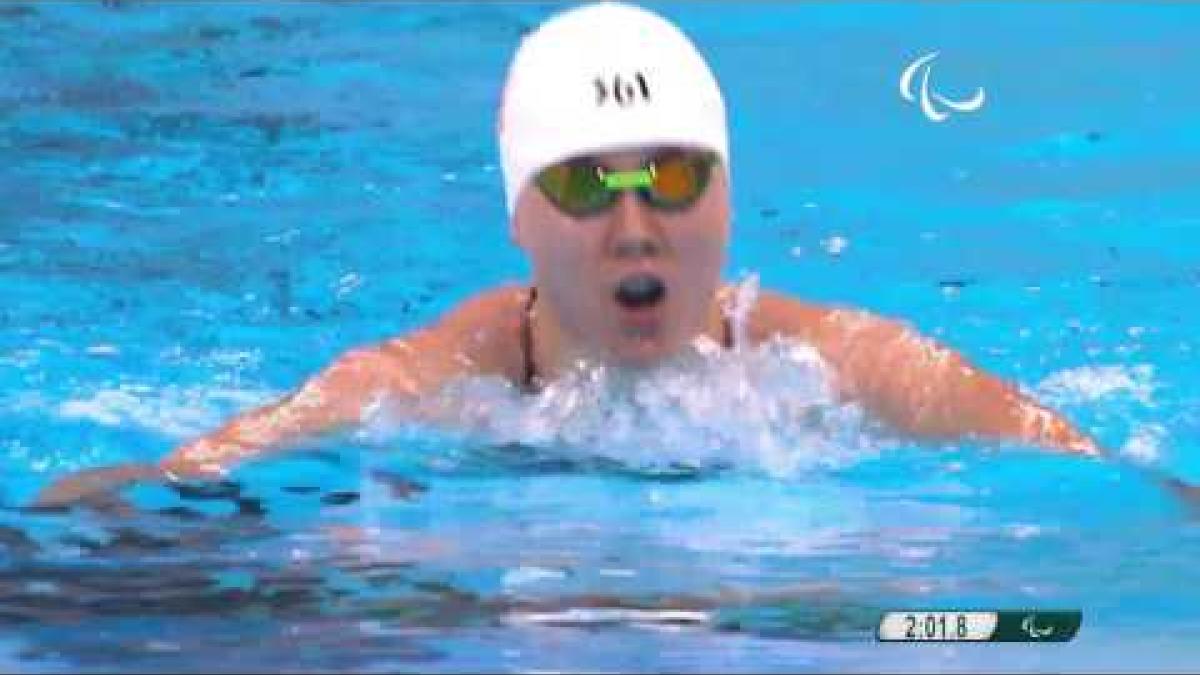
919 386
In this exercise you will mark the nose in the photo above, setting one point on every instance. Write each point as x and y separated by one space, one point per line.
634 234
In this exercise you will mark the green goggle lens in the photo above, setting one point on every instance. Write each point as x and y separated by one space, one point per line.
671 182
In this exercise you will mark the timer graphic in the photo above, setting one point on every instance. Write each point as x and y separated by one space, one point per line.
1007 625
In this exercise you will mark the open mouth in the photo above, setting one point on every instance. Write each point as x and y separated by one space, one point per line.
640 291
640 295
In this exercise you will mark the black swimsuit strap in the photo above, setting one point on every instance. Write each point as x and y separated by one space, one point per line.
529 373
530 368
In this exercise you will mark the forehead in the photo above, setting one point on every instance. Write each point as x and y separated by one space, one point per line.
631 157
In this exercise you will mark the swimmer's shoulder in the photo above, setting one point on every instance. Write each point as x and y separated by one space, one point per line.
482 332
776 313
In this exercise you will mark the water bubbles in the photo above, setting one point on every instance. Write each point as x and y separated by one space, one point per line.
835 245
162 647
1128 394
347 284
1091 383
1024 531
528 574
284 237
767 409
616 572
102 349
174 411
42 588
1143 444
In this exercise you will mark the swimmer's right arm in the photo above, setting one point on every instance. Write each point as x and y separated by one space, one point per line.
330 401
399 370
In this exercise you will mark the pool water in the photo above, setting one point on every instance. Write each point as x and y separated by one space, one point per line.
204 203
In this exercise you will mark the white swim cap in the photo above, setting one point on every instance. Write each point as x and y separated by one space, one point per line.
604 77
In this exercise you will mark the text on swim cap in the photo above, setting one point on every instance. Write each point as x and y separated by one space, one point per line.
621 90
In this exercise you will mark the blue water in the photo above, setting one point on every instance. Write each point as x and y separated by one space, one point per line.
201 204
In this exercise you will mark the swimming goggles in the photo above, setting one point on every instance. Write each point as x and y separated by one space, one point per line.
671 181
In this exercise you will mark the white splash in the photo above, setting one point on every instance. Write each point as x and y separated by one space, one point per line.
835 245
1091 383
530 574
768 408
1128 393
346 284
587 616
1144 443
737 309
102 349
177 412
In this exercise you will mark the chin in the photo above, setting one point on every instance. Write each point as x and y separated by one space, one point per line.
643 353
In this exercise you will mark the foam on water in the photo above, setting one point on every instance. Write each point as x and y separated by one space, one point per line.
768 408
1144 445
169 414
1127 392
1092 383
178 412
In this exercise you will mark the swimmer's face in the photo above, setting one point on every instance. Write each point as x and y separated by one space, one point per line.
588 267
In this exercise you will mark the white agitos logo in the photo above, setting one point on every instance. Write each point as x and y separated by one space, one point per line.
1031 628
933 104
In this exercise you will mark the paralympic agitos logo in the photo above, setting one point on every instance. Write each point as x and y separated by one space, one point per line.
934 105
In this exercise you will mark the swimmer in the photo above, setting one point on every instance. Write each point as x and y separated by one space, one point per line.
613 141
